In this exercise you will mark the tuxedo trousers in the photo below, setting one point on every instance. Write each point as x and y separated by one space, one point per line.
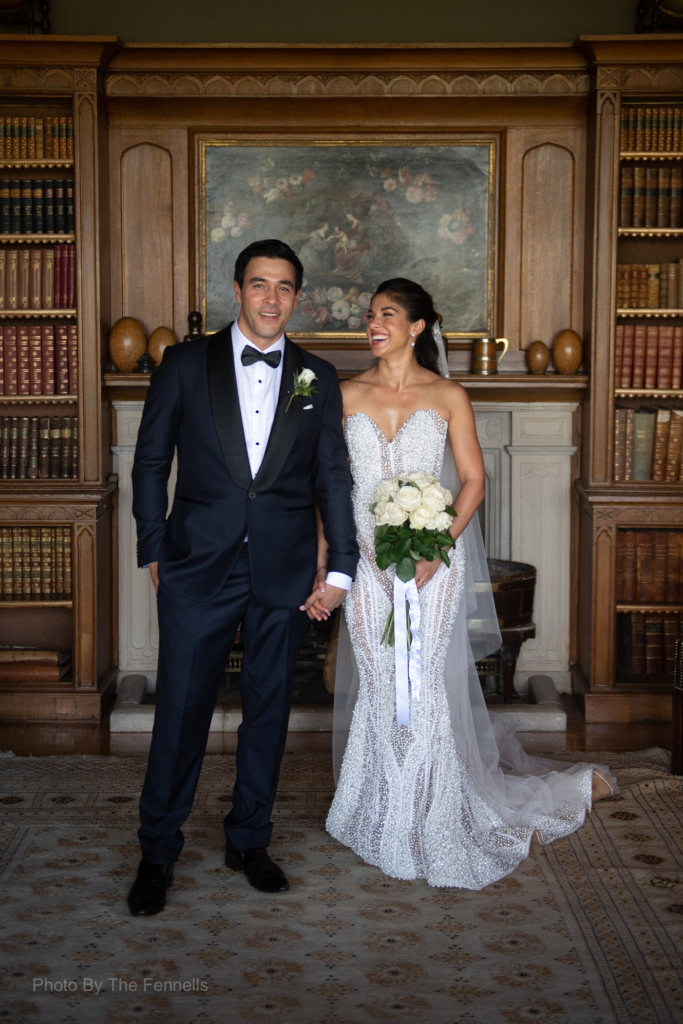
195 639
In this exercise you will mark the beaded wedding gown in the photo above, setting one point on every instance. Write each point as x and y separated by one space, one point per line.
452 798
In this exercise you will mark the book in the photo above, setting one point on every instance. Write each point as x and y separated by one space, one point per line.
13 447
46 561
71 278
665 358
35 365
43 448
25 655
663 285
55 446
22 462
59 206
627 360
651 196
24 279
673 451
676 197
26 207
65 449
74 448
640 129
61 361
630 427
677 360
23 141
66 541
4 449
653 285
49 206
677 130
48 347
626 198
640 338
632 122
638 197
33 448
661 443
651 345
40 148
619 444
23 362
69 138
618 353
12 279
638 642
654 652
38 217
69 205
643 442
35 266
72 346
57 277
59 562
627 557
33 672
62 138
645 566
31 138
669 638
15 206
47 279
669 129
3 266
661 130
660 547
672 296
672 566
11 369
4 207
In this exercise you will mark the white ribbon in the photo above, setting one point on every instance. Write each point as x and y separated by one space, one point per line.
408 667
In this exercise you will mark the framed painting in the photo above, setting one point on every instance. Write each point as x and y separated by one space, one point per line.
356 213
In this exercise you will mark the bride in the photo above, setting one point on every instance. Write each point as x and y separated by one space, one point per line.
452 797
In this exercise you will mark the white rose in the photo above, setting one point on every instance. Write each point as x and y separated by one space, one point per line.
380 509
420 518
306 377
442 521
433 498
394 515
447 496
408 497
386 490
419 478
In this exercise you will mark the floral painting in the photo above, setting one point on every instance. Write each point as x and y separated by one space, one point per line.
356 215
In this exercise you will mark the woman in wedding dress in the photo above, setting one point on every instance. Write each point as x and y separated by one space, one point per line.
451 798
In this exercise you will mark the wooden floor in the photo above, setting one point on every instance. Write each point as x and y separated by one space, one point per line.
54 738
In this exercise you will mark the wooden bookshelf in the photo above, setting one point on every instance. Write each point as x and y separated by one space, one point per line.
82 621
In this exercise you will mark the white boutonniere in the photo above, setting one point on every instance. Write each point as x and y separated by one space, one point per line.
303 385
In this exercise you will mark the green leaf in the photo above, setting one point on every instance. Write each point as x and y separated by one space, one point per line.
444 558
451 511
405 531
405 570
374 506
380 531
414 554
383 562
402 548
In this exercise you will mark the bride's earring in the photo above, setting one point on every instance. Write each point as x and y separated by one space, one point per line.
412 344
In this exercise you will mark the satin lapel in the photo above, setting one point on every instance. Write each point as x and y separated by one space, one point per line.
225 407
285 424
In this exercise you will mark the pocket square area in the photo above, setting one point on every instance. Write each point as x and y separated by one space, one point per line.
307 407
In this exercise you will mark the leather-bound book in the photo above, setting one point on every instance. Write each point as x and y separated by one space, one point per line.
618 353
44 448
4 207
654 647
62 138
17 564
651 186
59 206
23 361
46 560
14 447
55 138
651 347
22 463
673 279
665 358
38 216
645 566
647 141
669 129
640 129
640 338
33 448
632 124
40 145
72 343
677 130
619 444
677 361
672 560
66 535
627 362
5 428
48 333
57 276
2 359
59 562
638 642
638 196
69 205
69 138
3 268
49 206
34 552
55 446
11 367
663 197
74 448
660 566
661 130
23 147
26 207
663 285
643 442
626 198
7 562
12 279
25 562
61 361
70 296
653 285
15 206
670 636
643 285
33 672
623 134
35 359
626 558
47 279
34 278
673 452
628 468
634 299
623 285
676 186
24 279
661 445
65 451
47 137
679 303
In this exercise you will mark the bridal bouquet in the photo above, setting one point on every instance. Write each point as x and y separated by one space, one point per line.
413 513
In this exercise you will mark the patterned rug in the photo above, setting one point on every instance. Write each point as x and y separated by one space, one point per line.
587 931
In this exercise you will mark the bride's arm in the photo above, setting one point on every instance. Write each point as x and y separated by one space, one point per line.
323 547
469 461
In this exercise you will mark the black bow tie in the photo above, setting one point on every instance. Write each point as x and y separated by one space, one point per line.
252 355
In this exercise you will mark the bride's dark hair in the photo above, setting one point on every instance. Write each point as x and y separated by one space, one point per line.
418 305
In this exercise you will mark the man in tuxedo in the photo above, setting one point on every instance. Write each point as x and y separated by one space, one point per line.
255 458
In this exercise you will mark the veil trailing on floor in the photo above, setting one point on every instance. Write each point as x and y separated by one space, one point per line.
517 787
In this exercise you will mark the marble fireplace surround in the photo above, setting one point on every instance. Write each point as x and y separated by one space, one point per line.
527 450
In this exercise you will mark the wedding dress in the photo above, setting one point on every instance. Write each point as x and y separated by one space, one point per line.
452 798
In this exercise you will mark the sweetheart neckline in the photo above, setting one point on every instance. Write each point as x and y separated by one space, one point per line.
403 425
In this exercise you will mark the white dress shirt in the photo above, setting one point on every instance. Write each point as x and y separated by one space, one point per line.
258 389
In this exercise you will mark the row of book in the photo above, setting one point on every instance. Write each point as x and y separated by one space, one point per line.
36 562
38 278
647 445
33 207
31 665
650 197
38 359
648 357
650 129
36 138
650 285
649 564
646 642
38 448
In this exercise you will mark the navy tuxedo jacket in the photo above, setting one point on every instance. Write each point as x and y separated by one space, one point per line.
193 405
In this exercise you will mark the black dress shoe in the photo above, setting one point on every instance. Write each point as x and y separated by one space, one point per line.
233 858
148 892
261 872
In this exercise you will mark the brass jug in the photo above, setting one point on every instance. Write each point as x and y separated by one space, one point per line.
485 357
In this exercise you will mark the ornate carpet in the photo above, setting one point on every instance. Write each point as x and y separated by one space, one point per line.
588 930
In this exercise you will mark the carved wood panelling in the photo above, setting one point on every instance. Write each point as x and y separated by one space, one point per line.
642 78
628 514
48 79
85 606
27 513
604 620
508 83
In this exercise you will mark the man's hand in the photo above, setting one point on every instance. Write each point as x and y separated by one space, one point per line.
324 598
154 573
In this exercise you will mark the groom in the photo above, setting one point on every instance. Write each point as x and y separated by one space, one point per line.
255 457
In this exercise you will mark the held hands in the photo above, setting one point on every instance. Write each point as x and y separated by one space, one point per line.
424 571
324 598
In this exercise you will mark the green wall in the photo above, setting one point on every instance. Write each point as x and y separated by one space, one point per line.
348 21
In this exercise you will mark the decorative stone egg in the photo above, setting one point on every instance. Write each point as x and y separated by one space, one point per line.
567 352
127 343
537 357
160 339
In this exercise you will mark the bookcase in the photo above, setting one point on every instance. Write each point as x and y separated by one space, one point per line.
631 491
57 495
